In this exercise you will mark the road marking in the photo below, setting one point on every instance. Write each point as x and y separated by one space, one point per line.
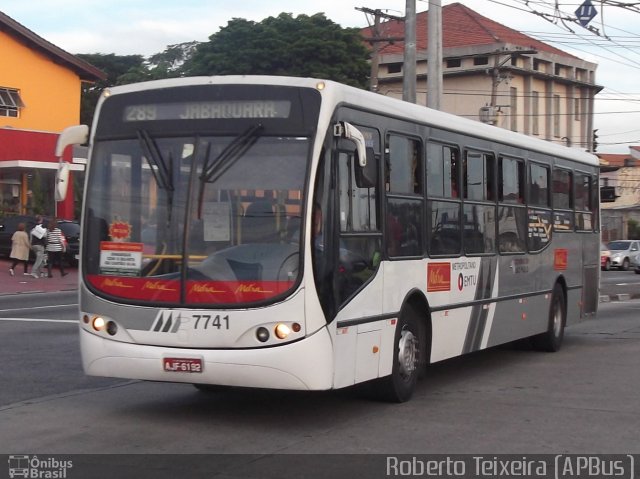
36 320
39 307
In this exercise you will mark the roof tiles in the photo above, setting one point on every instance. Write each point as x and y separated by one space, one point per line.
461 27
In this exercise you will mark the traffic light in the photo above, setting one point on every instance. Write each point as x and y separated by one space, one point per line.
594 142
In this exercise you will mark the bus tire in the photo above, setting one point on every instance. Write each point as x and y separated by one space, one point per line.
408 350
551 340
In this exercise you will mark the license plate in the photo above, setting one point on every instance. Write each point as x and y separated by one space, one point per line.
183 365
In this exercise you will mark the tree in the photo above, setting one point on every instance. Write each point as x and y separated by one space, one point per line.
115 66
303 46
169 63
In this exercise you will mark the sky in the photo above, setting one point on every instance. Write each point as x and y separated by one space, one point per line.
145 27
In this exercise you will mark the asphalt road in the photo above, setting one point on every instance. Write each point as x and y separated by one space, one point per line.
614 283
507 400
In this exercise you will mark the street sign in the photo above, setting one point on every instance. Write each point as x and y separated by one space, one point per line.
586 12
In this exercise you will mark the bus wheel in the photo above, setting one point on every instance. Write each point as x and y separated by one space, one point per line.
551 340
409 344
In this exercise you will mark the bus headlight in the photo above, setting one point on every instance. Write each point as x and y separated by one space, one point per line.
282 331
98 323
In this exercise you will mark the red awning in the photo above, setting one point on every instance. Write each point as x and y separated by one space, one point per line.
29 145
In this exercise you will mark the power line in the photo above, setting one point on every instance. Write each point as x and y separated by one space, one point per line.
557 16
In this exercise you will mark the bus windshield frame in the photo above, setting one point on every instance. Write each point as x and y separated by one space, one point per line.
204 208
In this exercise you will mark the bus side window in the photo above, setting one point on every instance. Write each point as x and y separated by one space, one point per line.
538 185
405 202
478 169
511 180
442 170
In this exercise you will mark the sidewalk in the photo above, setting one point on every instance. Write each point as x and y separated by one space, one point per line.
28 284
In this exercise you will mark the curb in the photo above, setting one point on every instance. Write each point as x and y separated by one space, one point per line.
604 298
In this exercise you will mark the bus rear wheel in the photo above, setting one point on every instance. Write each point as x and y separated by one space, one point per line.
409 348
551 340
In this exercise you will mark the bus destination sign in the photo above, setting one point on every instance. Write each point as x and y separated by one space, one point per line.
208 110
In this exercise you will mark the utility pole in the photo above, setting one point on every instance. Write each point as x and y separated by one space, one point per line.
434 55
497 66
375 41
409 66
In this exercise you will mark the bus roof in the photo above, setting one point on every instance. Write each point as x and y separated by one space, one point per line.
338 93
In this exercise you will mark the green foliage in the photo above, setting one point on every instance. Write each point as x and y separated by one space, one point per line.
169 63
40 195
115 66
306 46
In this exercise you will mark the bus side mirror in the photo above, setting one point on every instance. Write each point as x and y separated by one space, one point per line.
366 166
367 175
62 181
73 135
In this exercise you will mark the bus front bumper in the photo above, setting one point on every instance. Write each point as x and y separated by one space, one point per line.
303 365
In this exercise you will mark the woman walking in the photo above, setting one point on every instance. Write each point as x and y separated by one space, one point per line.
55 247
20 247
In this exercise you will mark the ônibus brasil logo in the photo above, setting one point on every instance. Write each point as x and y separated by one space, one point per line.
33 467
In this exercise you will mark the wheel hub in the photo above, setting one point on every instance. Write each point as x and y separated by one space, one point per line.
407 353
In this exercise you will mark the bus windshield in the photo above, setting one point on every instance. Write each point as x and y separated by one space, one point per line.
195 219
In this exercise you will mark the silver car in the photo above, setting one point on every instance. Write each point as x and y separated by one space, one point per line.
624 253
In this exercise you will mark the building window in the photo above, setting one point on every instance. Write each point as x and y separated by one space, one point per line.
514 109
535 110
10 102
481 61
556 116
558 69
576 106
454 62
394 67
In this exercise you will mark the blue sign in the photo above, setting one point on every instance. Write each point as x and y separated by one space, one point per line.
586 12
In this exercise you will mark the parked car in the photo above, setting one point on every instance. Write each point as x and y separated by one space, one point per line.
624 253
605 257
70 229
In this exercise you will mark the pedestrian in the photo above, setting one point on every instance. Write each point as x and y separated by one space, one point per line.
38 244
20 247
55 247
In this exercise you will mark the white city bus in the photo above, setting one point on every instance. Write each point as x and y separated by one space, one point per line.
292 233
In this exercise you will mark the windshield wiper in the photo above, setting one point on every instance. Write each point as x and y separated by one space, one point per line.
212 170
160 170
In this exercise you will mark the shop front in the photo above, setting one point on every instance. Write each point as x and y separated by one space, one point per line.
28 167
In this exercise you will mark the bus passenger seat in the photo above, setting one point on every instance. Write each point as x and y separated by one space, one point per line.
259 223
